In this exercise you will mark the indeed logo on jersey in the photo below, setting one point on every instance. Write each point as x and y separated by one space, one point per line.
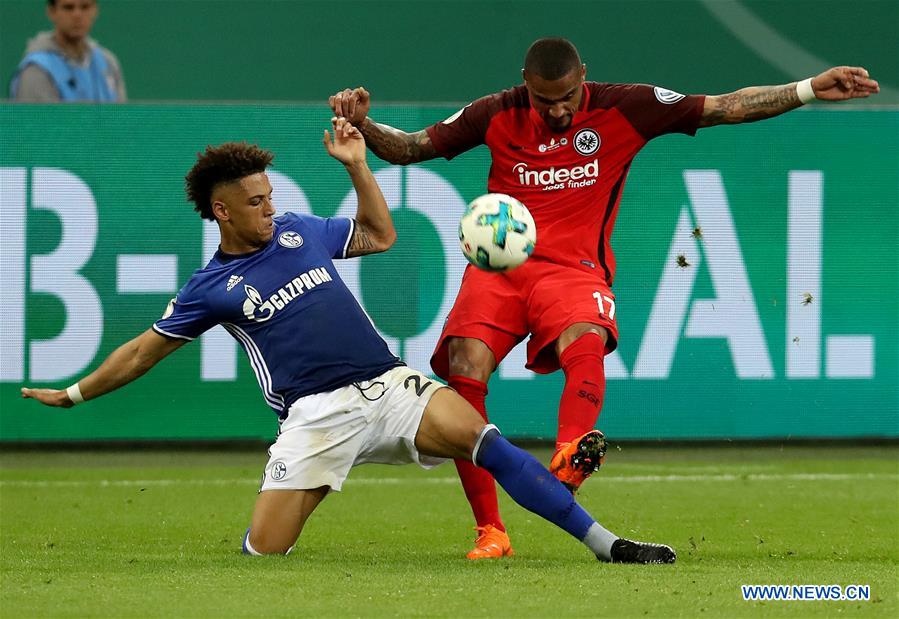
254 308
574 177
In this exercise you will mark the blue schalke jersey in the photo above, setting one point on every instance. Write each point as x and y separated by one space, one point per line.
301 327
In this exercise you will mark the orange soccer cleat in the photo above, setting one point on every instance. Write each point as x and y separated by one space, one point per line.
574 462
491 544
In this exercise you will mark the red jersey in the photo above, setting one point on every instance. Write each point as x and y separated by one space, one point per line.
571 182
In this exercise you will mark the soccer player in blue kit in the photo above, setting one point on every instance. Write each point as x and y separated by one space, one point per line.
341 396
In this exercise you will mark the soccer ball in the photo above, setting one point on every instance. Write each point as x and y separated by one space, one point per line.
497 233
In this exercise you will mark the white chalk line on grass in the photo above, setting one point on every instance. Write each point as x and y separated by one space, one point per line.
377 481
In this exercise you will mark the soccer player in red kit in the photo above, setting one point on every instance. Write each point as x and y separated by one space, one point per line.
562 146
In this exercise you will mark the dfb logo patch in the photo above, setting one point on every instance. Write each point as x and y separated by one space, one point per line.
169 309
667 96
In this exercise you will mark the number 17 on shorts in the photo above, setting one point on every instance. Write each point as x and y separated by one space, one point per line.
606 305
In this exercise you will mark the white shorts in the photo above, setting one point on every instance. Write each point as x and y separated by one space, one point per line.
326 434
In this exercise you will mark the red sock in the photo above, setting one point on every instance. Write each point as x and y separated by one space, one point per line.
585 387
480 489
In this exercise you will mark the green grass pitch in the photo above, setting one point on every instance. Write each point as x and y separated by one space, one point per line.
157 534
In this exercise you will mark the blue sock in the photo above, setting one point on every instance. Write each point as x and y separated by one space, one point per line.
530 484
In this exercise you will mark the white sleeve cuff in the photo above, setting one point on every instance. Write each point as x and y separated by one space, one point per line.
804 91
74 393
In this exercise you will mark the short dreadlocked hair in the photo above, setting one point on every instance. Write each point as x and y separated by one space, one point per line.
225 163
551 58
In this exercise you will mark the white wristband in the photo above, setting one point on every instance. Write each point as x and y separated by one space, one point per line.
804 91
74 393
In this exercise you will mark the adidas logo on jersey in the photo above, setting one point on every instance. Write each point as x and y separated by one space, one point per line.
233 281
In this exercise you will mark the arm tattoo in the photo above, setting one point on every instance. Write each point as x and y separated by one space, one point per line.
395 146
722 110
751 104
361 244
769 101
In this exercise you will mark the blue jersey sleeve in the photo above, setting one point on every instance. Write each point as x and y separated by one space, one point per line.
334 233
186 317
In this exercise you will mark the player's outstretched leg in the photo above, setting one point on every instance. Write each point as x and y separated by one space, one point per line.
450 428
536 489
579 448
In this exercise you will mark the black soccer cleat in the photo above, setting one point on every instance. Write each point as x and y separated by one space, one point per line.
629 551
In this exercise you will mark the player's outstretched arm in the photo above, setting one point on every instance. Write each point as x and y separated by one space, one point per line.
128 362
374 231
760 102
391 145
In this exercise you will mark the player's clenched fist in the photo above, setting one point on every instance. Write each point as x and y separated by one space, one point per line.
351 104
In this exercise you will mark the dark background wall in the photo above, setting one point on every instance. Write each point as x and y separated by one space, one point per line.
303 50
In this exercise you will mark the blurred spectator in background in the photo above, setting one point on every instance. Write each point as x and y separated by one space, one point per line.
66 64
